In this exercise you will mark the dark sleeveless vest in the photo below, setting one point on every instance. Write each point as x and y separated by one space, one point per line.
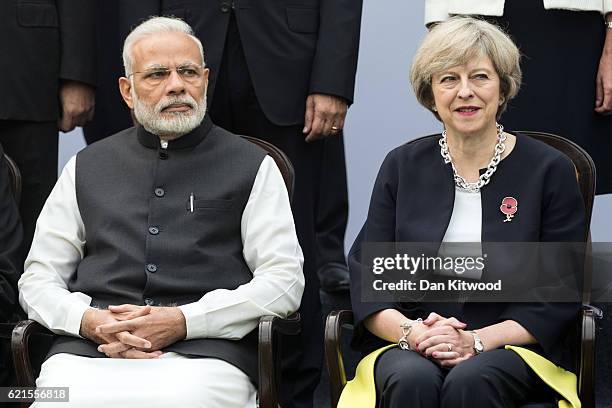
145 245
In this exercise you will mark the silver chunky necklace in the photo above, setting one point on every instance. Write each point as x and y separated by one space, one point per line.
484 178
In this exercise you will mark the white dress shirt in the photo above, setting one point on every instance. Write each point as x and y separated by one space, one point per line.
270 249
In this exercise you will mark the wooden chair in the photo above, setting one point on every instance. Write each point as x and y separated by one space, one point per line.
271 328
584 335
15 177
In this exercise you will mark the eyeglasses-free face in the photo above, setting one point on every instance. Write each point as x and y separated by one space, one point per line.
467 97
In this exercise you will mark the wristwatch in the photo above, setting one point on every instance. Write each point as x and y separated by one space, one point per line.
608 24
478 346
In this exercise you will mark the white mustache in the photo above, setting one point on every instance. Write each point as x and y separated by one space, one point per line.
167 103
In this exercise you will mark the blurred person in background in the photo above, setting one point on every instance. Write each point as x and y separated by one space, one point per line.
47 76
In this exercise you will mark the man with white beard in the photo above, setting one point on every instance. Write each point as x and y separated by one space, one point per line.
161 246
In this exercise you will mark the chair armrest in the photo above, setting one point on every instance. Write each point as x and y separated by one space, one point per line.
270 355
20 348
333 352
586 368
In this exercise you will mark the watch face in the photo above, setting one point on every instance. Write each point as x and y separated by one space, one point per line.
478 347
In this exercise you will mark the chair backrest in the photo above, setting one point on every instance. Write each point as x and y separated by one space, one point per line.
584 165
15 176
281 159
583 340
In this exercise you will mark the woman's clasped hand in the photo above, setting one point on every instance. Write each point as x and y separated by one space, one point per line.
443 340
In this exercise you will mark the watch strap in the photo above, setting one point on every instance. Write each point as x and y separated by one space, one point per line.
478 346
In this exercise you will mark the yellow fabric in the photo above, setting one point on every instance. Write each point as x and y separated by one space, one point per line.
560 380
360 392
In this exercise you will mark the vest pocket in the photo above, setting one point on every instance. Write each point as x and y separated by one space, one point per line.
37 15
207 204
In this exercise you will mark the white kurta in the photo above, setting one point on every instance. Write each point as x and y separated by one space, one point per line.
172 380
270 249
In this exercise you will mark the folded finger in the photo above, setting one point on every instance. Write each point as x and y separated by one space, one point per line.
599 94
443 347
309 115
317 129
607 103
113 348
116 327
134 341
430 343
433 332
137 354
432 318
65 123
80 119
114 355
340 124
140 311
124 308
445 355
453 322
327 128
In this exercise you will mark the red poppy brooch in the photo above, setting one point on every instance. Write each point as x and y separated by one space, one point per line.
509 207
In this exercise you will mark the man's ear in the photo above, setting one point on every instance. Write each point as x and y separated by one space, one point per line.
206 74
125 87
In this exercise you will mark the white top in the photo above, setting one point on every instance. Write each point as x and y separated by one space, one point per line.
440 10
270 249
465 226
466 220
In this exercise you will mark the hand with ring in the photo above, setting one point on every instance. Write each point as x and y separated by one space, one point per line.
324 116
445 341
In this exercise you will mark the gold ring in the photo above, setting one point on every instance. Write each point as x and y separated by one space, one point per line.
336 128
450 347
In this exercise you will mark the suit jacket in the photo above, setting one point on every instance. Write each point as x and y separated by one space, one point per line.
10 243
412 201
42 43
112 114
292 48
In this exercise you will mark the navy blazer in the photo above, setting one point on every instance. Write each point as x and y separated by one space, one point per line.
412 201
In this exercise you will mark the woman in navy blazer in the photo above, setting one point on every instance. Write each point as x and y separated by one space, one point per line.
451 188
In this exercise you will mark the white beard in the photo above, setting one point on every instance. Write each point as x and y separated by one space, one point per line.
169 125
